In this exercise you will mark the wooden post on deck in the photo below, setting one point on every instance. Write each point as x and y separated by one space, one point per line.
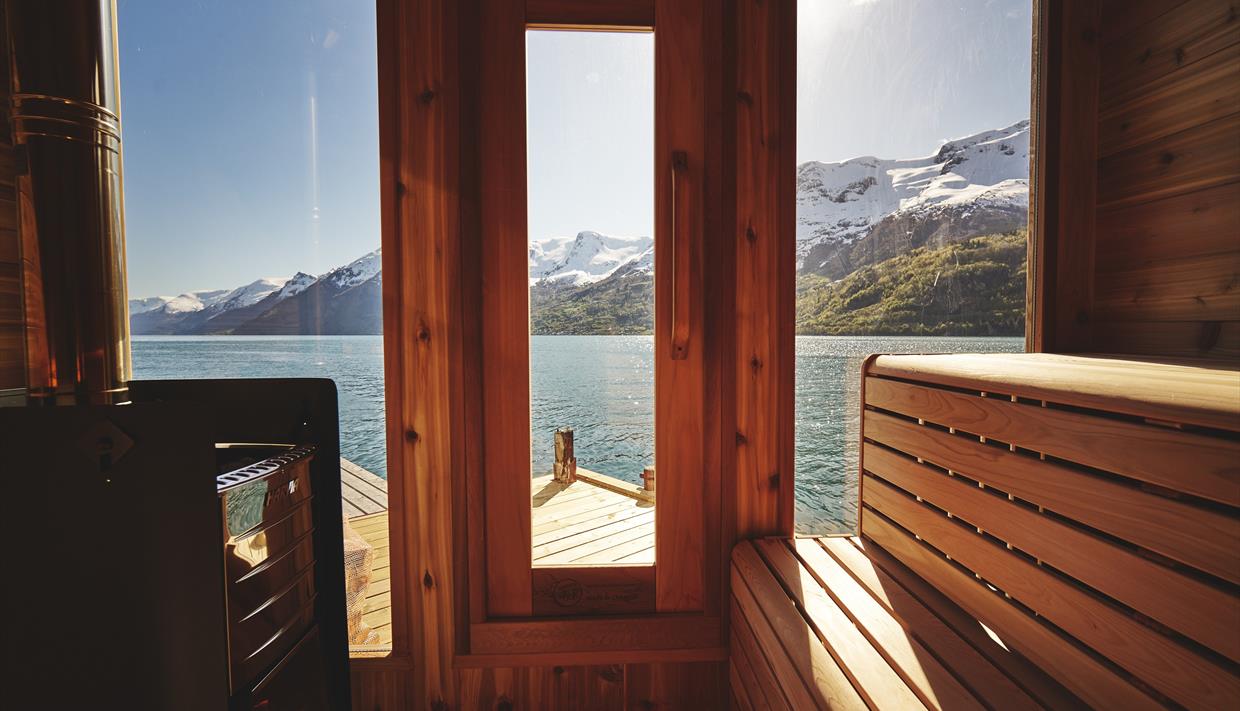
565 462
648 478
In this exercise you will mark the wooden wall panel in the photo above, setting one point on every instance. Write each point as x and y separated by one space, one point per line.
680 376
419 175
503 203
765 269
1063 174
1167 266
606 687
381 689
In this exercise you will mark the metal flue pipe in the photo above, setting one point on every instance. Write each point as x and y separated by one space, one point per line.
66 124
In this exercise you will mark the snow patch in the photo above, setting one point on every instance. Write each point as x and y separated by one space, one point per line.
586 258
840 202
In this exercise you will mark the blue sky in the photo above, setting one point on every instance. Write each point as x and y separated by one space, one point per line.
251 126
222 101
895 78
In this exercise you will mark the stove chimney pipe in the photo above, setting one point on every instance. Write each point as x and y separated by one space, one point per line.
66 123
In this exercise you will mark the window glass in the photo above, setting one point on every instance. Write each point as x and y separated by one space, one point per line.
590 99
252 223
912 193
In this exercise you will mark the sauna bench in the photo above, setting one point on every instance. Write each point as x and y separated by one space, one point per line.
1035 531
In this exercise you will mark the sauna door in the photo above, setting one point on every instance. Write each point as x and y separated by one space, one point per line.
506 582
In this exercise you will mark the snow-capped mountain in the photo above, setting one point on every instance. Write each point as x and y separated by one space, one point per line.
295 285
586 258
868 209
355 272
345 300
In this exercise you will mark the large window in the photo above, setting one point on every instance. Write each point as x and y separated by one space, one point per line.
252 216
912 193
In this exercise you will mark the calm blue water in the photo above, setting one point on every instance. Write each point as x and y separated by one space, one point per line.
602 386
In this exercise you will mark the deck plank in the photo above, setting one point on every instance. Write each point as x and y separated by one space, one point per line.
580 523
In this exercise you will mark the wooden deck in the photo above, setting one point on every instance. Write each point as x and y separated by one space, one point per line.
599 521
361 493
378 613
584 524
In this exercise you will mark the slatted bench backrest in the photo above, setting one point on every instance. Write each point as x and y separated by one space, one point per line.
1101 545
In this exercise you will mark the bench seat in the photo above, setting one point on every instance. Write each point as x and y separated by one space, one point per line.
837 623
1082 512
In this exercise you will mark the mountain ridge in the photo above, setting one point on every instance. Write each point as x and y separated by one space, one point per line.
851 215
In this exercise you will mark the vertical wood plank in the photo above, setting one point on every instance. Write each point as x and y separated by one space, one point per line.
1066 105
683 686
419 159
765 267
505 306
680 110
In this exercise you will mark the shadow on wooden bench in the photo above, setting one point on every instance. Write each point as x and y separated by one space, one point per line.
1035 531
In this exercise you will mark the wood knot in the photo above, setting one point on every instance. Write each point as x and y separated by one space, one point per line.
744 97
741 439
412 435
1179 56
773 481
504 704
557 670
427 581
755 363
1166 158
426 96
424 334
751 235
439 705
401 189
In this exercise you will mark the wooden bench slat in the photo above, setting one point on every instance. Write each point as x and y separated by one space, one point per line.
883 575
740 694
783 668
1197 392
912 637
740 676
1145 452
933 683
1199 611
778 625
876 681
743 638
1195 536
1073 667
1188 678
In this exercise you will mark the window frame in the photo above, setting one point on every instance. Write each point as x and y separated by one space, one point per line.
505 583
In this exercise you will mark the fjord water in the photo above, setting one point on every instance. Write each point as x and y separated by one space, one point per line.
601 386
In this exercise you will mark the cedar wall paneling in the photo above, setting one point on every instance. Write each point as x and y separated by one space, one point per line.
430 206
607 687
12 350
1166 277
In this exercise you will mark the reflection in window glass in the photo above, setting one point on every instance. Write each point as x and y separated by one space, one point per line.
912 201
590 98
252 223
